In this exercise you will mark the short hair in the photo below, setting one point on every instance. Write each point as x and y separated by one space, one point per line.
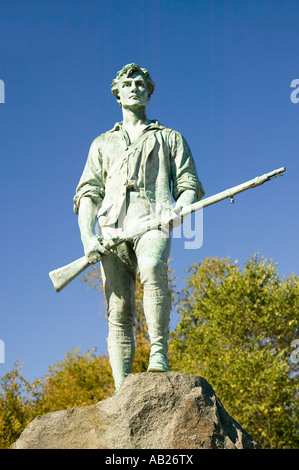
128 70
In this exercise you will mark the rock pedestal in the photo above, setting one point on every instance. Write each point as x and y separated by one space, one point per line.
167 410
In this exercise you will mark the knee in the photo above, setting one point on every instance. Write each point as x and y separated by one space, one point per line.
121 312
154 272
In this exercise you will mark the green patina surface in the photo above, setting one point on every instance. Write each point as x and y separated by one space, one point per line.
132 174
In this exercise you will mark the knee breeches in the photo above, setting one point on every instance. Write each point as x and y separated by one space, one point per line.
150 253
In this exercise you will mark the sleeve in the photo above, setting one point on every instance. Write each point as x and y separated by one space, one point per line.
91 182
183 170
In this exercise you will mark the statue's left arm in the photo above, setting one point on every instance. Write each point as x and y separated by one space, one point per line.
186 186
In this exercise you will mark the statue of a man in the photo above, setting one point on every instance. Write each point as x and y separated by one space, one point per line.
130 174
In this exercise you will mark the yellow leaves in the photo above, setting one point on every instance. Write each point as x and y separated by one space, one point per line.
238 325
278 409
78 380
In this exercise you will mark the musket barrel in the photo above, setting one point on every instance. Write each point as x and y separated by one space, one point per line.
231 192
63 276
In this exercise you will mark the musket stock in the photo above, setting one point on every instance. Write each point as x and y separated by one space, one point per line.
61 277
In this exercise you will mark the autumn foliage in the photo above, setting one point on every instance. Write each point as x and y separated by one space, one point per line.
235 328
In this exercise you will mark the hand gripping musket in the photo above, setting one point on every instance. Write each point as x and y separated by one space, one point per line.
61 277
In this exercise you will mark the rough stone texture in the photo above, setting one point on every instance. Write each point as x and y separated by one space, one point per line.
151 411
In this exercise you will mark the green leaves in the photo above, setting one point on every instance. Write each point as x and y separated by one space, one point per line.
14 406
236 327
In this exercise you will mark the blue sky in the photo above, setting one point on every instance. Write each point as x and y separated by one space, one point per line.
222 70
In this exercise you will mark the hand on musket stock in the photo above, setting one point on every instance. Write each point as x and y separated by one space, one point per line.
94 249
97 247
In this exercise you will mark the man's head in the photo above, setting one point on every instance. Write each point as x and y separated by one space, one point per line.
126 72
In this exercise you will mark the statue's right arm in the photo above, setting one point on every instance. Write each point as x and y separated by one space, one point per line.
86 218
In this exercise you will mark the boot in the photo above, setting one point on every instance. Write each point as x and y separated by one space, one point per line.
121 349
157 312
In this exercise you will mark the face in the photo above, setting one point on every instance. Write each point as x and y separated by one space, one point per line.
133 92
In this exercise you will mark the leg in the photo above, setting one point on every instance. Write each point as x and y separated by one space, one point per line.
119 274
152 251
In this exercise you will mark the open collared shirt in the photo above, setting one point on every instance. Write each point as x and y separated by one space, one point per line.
159 163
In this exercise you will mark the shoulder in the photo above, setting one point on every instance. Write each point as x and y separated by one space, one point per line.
101 139
168 133
175 138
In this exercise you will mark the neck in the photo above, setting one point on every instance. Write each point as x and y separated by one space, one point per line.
134 117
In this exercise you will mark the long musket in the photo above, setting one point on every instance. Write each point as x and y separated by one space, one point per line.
61 277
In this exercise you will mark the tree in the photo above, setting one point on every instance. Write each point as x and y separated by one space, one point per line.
78 380
14 407
235 329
